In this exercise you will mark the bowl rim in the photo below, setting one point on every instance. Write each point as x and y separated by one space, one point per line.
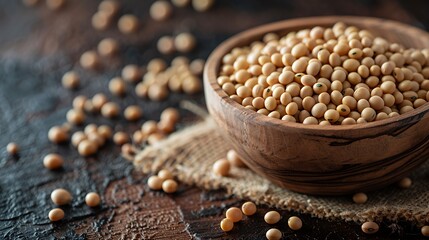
214 61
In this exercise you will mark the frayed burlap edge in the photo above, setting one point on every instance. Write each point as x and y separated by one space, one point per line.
191 153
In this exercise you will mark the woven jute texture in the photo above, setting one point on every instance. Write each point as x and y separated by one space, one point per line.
190 154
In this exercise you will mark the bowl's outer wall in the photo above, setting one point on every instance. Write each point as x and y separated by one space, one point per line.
322 160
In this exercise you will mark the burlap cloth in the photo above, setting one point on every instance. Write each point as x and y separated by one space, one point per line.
191 153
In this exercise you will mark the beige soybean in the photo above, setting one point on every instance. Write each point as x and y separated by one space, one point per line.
12 148
98 100
185 42
79 102
248 208
361 93
117 86
202 5
87 147
362 104
165 45
350 102
149 127
360 198
306 91
406 109
319 110
128 24
310 121
70 80
154 138
169 186
293 89
234 214
30 3
299 50
272 217
55 4
127 149
108 47
419 102
120 138
388 87
308 103
299 65
348 121
76 117
294 223
334 59
56 214
181 3
53 161
234 159
92 199
61 196
332 115
405 183
243 92
110 110
101 20
304 114
376 102
336 97
300 76
90 128
370 227
78 137
324 123
131 73
89 60
291 108
369 114
165 174
170 115
288 118
110 7
157 92
160 10
155 182
221 167
270 103
308 80
142 90
138 137
319 88
133 113
274 114
226 225
387 68
425 231
96 138
351 65
105 131
273 234
324 98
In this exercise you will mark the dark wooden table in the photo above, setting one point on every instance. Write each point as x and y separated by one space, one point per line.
37 46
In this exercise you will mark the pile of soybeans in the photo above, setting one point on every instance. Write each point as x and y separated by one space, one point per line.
327 76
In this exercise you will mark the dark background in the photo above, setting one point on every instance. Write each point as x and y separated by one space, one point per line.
37 46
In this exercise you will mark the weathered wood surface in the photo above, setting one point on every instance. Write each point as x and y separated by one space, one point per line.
37 46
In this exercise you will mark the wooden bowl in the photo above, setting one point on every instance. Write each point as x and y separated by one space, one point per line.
322 160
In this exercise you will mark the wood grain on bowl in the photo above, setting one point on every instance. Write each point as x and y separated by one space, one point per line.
326 160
